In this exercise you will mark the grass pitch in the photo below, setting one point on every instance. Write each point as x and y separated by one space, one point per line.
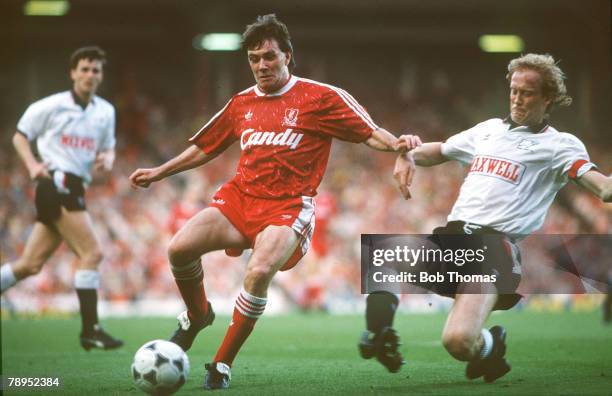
551 354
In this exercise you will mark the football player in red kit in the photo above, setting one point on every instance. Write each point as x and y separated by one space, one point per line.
284 125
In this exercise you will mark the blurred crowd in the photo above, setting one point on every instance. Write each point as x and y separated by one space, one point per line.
358 195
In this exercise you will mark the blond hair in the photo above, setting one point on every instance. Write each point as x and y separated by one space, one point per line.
553 86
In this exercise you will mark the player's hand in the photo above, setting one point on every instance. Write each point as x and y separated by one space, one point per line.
104 161
39 170
403 173
143 177
408 142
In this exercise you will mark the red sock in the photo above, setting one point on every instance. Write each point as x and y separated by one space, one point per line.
190 282
246 312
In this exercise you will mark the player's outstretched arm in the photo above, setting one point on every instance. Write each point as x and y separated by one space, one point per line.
598 184
192 157
428 154
383 140
35 169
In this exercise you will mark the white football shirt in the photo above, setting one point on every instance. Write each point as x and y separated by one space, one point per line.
67 136
514 173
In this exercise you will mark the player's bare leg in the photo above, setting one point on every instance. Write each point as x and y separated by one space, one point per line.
274 246
466 340
41 244
76 229
207 231
462 336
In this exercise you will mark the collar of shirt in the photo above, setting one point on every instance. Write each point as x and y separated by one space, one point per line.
284 89
514 127
79 101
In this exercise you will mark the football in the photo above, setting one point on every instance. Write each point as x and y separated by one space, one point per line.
160 367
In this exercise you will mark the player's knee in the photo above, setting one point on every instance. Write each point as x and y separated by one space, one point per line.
177 254
459 344
93 257
25 267
174 252
259 273
33 269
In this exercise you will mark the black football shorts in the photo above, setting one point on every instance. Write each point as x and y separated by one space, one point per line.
502 260
63 189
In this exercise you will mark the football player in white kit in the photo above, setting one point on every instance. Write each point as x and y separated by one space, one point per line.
516 167
74 131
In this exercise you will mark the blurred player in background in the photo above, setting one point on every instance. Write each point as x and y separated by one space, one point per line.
284 125
74 131
517 165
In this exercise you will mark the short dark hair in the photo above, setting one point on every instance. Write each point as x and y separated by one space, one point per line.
268 27
90 53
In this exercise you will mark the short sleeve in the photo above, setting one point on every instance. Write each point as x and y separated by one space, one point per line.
108 141
571 158
32 122
342 117
462 146
218 133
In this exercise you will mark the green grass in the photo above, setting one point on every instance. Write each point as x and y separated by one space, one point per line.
551 353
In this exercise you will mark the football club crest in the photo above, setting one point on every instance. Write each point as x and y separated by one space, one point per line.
291 116
248 116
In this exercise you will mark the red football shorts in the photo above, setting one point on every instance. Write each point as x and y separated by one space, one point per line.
250 215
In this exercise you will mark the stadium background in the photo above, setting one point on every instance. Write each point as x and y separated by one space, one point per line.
415 65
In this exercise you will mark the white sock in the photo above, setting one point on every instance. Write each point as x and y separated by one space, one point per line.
7 277
86 279
487 346
250 305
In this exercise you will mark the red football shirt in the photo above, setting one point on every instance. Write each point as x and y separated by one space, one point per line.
285 136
